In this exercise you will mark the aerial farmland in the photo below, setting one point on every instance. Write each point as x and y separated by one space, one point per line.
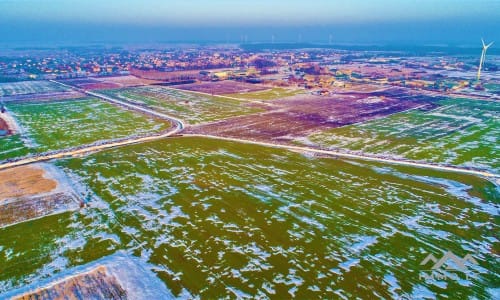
131 186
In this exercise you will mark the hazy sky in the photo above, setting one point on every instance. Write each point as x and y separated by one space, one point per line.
289 20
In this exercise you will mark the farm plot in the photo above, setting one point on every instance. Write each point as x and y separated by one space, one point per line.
118 276
129 80
194 108
29 87
301 115
268 94
41 97
32 192
362 88
460 132
97 83
13 146
90 83
222 87
58 125
219 218
34 250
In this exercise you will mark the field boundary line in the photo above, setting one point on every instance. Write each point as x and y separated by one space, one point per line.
365 157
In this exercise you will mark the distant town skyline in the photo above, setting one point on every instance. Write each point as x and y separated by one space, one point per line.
424 21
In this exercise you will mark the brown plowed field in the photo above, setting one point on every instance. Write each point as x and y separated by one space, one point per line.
27 208
24 181
302 115
96 284
26 193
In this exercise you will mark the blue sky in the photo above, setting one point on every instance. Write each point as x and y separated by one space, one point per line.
347 21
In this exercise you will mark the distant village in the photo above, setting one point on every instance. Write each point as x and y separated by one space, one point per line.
320 70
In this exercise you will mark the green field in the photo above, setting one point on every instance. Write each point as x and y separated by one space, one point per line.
219 219
459 132
13 146
29 87
59 125
191 107
271 94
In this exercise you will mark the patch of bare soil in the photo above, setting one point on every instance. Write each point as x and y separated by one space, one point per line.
24 209
301 115
95 284
24 181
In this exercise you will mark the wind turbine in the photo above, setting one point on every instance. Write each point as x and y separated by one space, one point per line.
483 56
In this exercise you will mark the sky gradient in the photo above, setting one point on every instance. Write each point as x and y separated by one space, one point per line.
386 21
